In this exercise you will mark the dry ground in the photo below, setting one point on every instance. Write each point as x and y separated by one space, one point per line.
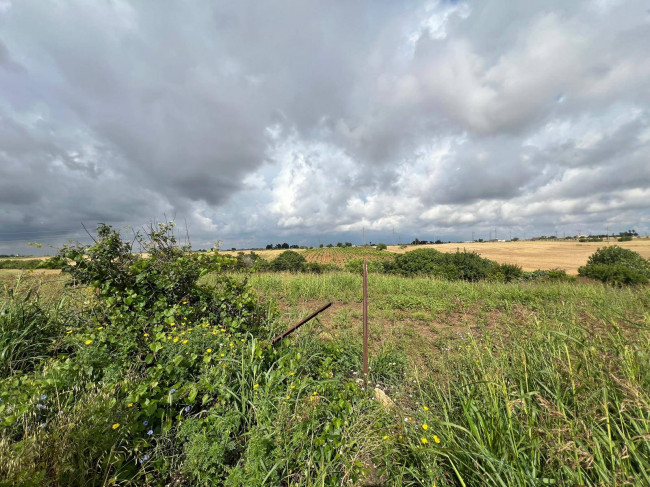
538 254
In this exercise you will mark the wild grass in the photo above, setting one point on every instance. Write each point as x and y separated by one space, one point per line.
556 393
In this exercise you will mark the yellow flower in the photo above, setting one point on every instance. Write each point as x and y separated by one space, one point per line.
100 328
256 386
242 339
175 339
292 387
436 439
425 426
184 302
146 334
288 397
184 342
232 344
424 441
385 437
129 405
88 342
209 350
69 331
116 425
223 355
426 408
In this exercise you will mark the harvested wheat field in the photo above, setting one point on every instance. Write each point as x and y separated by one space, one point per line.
536 254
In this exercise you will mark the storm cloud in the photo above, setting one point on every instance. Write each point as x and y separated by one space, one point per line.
256 122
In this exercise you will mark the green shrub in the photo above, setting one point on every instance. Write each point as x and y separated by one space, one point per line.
313 267
617 266
625 239
548 275
381 246
55 262
288 260
356 266
506 272
467 266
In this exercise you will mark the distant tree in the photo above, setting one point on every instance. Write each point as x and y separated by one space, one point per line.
339 244
329 245
278 246
285 245
439 241
320 246
515 239
269 246
294 246
381 246
348 244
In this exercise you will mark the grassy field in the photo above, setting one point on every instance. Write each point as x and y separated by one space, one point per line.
504 384
527 383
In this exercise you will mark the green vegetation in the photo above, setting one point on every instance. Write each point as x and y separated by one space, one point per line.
618 266
288 261
158 370
523 383
51 263
466 266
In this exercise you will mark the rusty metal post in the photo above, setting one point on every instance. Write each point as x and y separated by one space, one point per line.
365 322
299 324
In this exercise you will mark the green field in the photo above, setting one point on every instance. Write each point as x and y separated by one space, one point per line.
521 383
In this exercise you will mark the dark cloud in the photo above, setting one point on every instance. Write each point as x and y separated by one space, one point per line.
252 120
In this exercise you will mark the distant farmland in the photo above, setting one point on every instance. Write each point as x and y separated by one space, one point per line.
530 255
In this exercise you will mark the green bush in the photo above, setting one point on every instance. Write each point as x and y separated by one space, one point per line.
548 275
625 239
467 266
288 260
381 246
356 266
55 262
618 266
506 272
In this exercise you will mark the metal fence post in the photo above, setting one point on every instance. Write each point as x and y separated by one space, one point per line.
365 322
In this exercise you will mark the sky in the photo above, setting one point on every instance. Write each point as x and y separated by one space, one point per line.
308 122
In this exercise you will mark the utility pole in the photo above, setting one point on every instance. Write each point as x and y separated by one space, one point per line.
364 236
393 236
472 236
